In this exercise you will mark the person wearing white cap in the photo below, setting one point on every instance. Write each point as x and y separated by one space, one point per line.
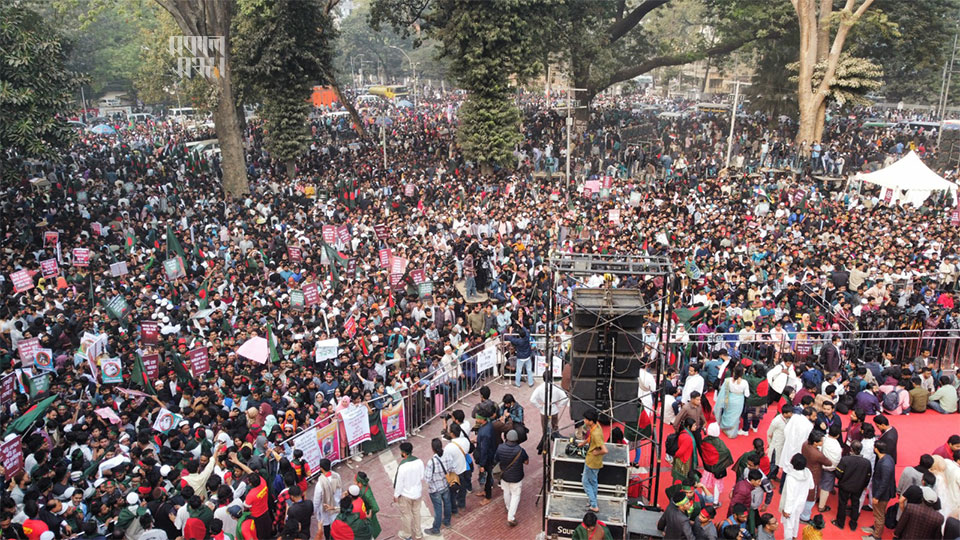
129 518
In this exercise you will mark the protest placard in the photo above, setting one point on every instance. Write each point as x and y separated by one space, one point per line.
81 257
149 332
394 424
294 253
165 421
307 442
27 349
199 361
328 438
112 370
151 365
311 294
11 455
356 424
327 349
118 269
50 239
49 268
22 281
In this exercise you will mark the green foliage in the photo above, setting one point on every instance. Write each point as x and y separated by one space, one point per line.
281 48
489 128
910 44
36 90
156 79
358 38
852 80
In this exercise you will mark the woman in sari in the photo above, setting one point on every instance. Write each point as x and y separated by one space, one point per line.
730 403
716 460
686 459
370 502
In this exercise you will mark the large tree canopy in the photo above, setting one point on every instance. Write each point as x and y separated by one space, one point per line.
282 48
36 91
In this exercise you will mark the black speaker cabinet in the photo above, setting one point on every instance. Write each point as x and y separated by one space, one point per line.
565 512
603 389
626 412
622 308
605 340
621 366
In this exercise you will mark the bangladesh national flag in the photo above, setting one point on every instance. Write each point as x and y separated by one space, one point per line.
139 376
272 341
174 245
129 242
26 419
204 293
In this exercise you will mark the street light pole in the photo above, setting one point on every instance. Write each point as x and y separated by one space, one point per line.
413 71
569 122
733 119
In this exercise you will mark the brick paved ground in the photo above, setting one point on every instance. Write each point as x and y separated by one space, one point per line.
475 523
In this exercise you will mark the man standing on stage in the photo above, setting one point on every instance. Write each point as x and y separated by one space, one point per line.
594 459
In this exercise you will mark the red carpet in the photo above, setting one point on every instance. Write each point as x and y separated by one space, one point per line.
919 434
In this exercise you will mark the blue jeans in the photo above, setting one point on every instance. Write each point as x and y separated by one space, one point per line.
936 406
471 286
441 505
521 364
591 484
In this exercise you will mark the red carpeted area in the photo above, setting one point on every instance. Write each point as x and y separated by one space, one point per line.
919 434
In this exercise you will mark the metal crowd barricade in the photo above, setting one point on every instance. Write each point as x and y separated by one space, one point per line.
449 385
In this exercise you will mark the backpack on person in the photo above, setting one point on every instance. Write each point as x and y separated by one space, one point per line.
672 444
891 400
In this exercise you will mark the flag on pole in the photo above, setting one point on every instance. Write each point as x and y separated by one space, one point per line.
271 340
204 293
139 376
174 245
130 241
21 424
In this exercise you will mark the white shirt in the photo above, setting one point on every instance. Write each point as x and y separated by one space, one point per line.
539 399
409 480
795 433
647 385
455 452
693 383
833 451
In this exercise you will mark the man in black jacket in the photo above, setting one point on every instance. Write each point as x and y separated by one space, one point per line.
511 458
853 474
884 488
299 512
888 435
675 523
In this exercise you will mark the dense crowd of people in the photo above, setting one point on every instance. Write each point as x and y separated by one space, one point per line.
414 264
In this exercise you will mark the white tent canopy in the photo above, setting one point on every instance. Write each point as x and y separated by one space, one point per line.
910 180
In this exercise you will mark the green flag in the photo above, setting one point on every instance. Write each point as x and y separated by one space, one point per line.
183 374
26 419
174 245
139 376
130 241
204 293
271 340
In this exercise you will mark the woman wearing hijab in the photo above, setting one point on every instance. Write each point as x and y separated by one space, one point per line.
716 460
730 402
686 457
797 484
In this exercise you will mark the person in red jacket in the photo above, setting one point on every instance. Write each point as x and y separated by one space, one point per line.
257 501
32 526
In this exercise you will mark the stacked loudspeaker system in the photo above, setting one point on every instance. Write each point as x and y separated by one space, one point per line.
605 361
606 353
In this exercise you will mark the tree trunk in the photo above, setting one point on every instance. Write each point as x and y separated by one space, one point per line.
808 114
212 18
819 121
231 138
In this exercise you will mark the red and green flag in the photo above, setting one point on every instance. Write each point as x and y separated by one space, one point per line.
173 244
204 293
272 341
138 374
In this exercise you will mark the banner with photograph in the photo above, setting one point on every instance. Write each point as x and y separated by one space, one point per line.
328 438
112 370
49 268
166 421
394 423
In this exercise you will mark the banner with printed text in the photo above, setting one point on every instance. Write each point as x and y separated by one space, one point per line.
199 362
8 385
49 268
309 443
22 281
356 424
11 456
149 332
27 348
151 364
311 294
81 257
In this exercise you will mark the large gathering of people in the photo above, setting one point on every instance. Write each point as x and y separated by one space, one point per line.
794 295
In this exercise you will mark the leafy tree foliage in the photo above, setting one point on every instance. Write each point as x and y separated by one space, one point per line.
36 90
282 48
